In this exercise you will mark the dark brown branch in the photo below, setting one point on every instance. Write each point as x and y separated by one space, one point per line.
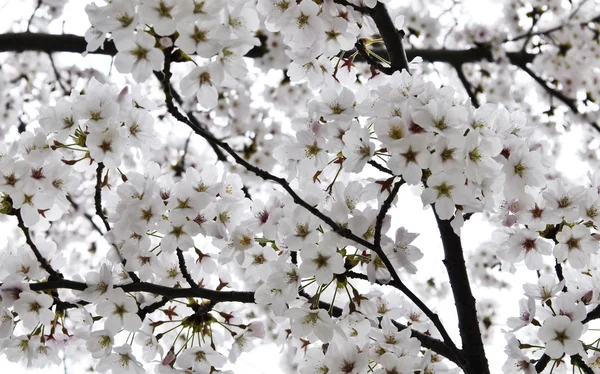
379 167
184 270
592 315
383 211
100 213
392 38
60 82
98 196
41 259
542 363
468 324
142 313
170 292
577 360
468 86
366 55
569 102
20 42
38 5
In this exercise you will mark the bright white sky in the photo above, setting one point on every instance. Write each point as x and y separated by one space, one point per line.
265 359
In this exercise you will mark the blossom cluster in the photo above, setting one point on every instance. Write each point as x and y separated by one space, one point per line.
218 34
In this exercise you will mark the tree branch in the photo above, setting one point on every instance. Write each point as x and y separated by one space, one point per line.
98 196
392 38
184 270
20 42
468 324
170 292
542 363
100 213
41 259
569 102
468 86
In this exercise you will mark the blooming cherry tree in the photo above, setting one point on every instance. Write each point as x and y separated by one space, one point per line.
252 171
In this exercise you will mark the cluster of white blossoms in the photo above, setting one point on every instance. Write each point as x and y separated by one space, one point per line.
216 33
182 246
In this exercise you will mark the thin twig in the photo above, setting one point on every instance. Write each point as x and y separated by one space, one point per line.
39 4
468 86
100 213
60 83
379 167
54 275
98 196
569 102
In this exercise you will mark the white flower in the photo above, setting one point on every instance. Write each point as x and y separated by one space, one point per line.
524 243
306 321
203 38
107 146
100 342
523 168
526 314
203 82
177 232
575 244
337 106
346 359
358 150
546 288
394 364
561 336
517 362
159 14
446 191
299 230
33 308
121 361
138 56
120 310
200 359
322 262
409 157
100 283
304 26
402 254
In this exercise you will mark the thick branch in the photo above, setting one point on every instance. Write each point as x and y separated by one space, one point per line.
20 42
392 38
468 324
171 293
542 363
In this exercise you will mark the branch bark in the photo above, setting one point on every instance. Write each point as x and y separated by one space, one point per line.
21 42
468 324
